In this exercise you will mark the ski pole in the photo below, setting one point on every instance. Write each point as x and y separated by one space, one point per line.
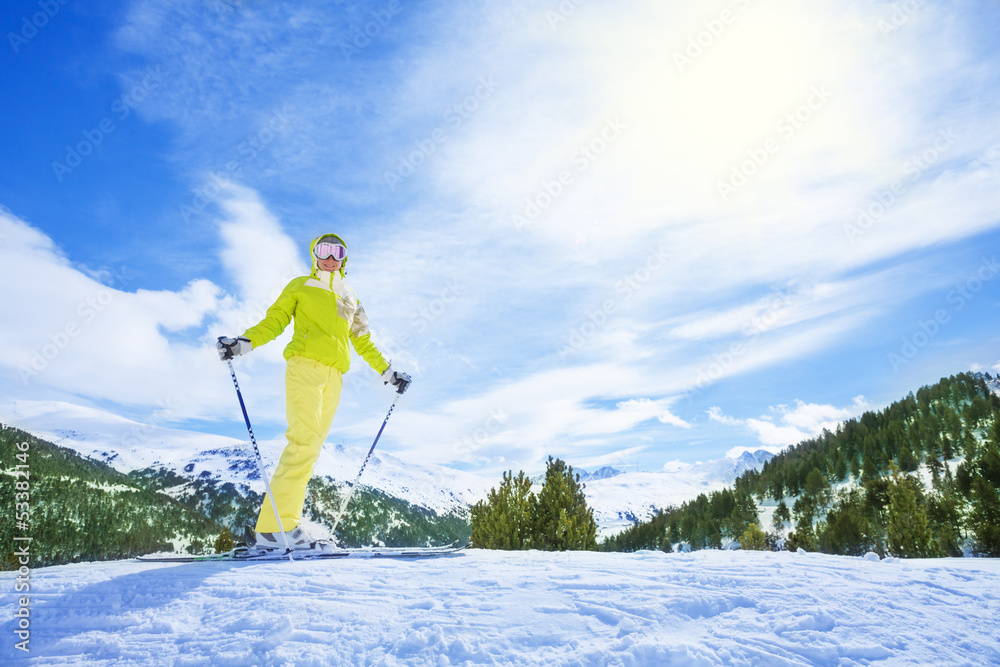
260 460
343 505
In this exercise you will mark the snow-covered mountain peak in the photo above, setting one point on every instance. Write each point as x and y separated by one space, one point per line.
606 472
629 496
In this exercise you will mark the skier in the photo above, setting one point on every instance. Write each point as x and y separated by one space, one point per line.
327 314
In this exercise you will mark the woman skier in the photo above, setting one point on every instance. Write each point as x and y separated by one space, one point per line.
327 315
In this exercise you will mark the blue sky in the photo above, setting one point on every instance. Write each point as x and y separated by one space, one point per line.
622 235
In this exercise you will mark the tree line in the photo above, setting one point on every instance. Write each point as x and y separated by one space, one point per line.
856 490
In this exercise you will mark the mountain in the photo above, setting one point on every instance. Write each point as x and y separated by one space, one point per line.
218 477
130 446
194 459
601 473
627 497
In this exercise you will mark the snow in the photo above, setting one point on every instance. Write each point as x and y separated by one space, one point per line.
618 501
124 444
517 608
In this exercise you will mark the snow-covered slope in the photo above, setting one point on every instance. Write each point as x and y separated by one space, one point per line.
124 444
515 608
618 501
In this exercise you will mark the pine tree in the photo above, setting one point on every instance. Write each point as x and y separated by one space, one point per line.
855 465
9 562
224 542
934 464
742 515
504 519
945 515
840 467
753 538
817 489
908 530
562 520
984 493
781 515
907 460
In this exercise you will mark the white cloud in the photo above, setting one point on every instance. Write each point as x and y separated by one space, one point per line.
68 332
715 414
774 435
256 251
790 425
813 418
547 413
75 336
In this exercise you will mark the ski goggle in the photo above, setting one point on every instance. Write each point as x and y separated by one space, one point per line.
328 250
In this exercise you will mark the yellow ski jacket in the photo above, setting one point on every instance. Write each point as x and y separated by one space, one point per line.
327 315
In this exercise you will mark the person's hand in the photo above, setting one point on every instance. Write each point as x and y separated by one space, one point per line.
399 380
232 347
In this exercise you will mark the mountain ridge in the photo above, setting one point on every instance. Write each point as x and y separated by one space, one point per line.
617 497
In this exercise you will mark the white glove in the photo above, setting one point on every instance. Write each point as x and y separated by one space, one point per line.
399 380
233 347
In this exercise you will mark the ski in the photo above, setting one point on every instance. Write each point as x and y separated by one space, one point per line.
243 555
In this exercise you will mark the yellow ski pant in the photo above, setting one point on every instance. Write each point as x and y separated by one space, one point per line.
312 393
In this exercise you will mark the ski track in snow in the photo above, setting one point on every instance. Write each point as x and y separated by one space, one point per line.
516 608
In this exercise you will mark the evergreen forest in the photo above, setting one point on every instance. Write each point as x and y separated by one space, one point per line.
920 478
